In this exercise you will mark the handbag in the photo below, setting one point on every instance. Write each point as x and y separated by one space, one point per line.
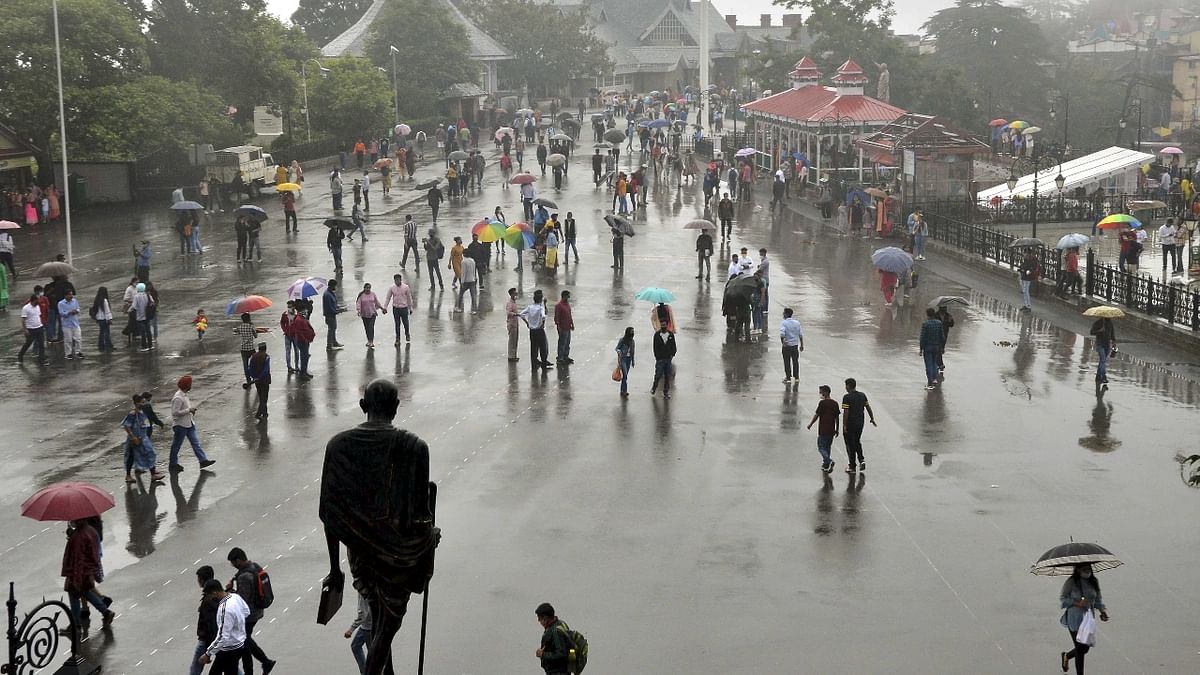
617 376
331 601
1086 635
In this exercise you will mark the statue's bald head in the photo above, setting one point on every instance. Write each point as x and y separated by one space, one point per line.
380 400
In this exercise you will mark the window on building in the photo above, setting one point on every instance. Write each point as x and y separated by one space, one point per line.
669 31
615 81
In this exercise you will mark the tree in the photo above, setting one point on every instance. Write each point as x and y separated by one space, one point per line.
846 28
430 42
323 20
129 119
771 69
549 47
230 48
101 46
998 50
353 99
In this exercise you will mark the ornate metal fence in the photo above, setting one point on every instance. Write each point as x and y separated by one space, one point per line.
34 641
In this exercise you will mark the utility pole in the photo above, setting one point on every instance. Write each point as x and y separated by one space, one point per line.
704 96
395 89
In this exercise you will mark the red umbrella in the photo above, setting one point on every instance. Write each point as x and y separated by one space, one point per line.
998 122
522 179
246 303
67 501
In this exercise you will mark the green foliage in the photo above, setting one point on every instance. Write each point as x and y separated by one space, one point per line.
323 20
771 69
996 48
846 28
432 53
353 99
230 48
101 46
549 48
129 119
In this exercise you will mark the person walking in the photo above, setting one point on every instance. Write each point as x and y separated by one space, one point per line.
470 278
410 242
80 568
943 315
367 307
618 248
142 457
239 229
932 341
704 251
228 648
333 241
854 405
330 310
564 324
1080 595
366 189
511 318
434 198
33 329
303 335
247 584
72 335
400 299
248 336
534 316
7 248
457 253
1030 270
102 313
826 417
569 236
260 375
918 228
664 354
554 652
287 326
435 250
141 260
625 359
359 634
1106 343
289 210
336 186
791 336
206 619
183 425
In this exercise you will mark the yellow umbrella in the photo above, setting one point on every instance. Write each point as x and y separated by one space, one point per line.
286 187
1104 312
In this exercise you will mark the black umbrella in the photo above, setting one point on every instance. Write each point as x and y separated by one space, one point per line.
1027 242
427 185
1060 561
741 289
620 224
340 223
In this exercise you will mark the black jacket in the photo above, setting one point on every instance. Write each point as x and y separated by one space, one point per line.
725 209
664 349
555 649
206 624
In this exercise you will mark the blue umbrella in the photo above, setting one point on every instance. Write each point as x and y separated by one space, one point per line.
306 287
892 259
251 211
863 197
656 295
658 123
801 157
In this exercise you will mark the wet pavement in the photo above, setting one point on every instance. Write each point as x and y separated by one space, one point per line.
691 535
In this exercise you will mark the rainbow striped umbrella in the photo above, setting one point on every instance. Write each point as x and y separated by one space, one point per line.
519 236
1018 124
1117 221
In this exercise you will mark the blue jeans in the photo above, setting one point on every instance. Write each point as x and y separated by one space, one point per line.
1102 350
931 365
358 647
105 339
625 364
918 244
662 371
1025 292
91 596
52 327
564 345
400 318
289 347
824 444
196 248
196 667
193 438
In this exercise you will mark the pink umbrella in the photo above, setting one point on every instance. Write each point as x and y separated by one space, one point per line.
67 501
9 225
522 179
682 101
1171 151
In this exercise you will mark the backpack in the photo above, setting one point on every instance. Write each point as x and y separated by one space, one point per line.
264 595
579 645
439 250
187 229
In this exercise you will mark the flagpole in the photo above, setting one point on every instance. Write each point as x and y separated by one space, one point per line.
62 134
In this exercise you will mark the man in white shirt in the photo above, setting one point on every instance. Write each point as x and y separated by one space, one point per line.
33 329
226 651
1167 238
400 299
734 268
184 426
527 196
534 316
366 190
470 278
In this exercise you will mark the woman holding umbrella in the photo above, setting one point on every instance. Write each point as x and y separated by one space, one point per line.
1079 596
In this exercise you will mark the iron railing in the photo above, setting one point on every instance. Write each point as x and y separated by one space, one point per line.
1174 303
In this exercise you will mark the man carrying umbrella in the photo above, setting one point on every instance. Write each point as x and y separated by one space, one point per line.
80 567
704 251
931 345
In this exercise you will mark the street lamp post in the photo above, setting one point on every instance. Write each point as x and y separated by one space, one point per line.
1037 164
395 89
304 81
1135 105
62 135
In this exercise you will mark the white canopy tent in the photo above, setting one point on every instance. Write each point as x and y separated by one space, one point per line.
1114 169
